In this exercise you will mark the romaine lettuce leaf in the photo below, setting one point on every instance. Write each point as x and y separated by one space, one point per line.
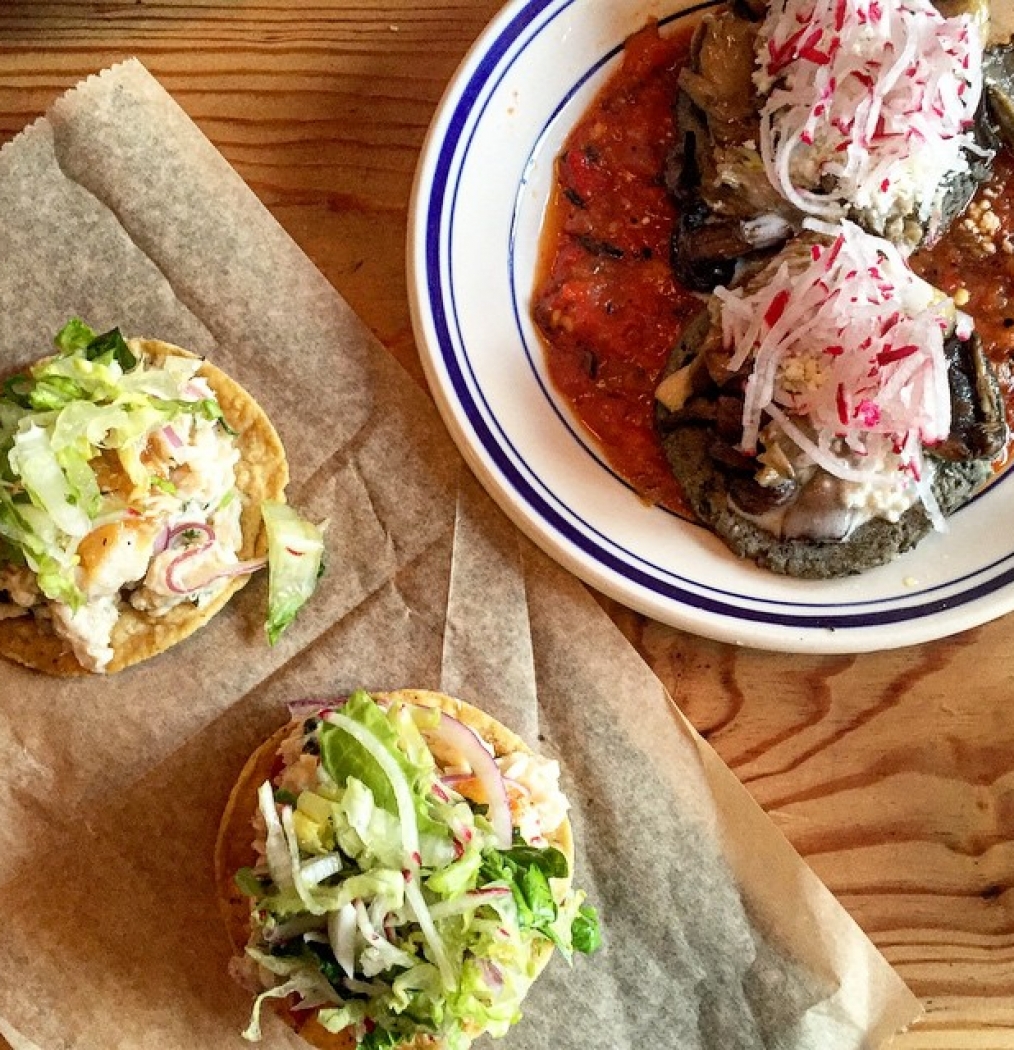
295 561
344 757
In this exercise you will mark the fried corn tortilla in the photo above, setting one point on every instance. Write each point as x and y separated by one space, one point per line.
261 474
234 848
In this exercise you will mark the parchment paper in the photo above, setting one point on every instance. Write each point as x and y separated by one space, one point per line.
117 209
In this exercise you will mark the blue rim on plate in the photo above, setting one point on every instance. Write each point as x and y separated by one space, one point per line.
800 620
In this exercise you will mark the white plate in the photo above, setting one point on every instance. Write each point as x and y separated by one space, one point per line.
481 187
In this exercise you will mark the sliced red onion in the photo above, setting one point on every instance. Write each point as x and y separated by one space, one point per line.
491 974
307 708
191 526
173 567
161 542
172 437
457 737
166 538
242 568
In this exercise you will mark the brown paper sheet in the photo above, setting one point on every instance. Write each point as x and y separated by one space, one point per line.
117 209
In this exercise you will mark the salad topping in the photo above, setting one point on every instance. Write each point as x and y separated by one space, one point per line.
869 105
405 885
118 485
845 350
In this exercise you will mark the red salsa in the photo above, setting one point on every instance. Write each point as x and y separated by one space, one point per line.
607 303
974 262
606 300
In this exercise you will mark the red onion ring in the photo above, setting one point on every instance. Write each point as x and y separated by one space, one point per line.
460 738
308 707
161 542
173 567
243 568
191 526
492 975
172 438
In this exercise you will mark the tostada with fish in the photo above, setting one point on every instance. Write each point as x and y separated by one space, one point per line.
395 871
828 407
140 488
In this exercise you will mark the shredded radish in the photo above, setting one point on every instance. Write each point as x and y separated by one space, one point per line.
292 842
296 927
491 974
846 350
868 104
386 954
315 871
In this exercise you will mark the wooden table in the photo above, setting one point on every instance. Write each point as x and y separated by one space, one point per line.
892 774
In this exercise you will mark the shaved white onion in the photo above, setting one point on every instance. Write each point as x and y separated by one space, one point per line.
276 848
315 871
341 933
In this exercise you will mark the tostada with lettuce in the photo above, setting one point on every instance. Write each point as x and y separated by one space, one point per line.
140 487
395 872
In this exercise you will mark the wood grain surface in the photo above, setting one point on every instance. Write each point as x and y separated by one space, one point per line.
893 773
